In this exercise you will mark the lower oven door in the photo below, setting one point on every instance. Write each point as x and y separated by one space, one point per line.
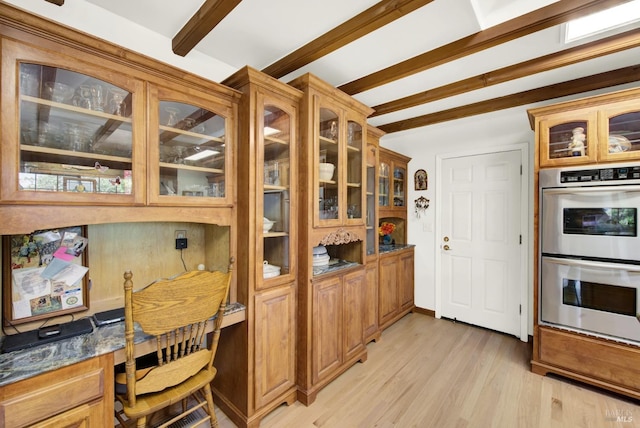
590 296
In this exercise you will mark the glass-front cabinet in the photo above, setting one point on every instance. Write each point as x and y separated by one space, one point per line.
79 133
189 148
392 182
340 169
370 216
276 133
608 130
619 126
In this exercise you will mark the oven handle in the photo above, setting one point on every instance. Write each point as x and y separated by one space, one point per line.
591 190
592 264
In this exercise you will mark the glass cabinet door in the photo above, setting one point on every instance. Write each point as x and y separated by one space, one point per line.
619 138
328 176
276 135
189 147
75 134
398 186
370 216
568 139
383 184
355 172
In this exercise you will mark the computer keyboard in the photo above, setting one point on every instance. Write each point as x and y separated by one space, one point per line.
30 339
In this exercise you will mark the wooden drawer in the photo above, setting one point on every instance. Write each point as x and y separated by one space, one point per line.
607 361
45 396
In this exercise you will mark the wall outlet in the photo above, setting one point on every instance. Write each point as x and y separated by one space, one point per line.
181 243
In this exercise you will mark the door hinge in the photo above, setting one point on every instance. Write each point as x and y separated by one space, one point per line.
520 309
520 169
520 239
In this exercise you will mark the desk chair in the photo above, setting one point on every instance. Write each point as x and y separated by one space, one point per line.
175 311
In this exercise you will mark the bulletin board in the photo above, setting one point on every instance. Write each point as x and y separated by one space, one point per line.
44 274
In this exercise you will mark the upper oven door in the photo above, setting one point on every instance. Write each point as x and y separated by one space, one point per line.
599 221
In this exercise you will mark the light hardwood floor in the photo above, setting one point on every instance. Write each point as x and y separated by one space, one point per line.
426 372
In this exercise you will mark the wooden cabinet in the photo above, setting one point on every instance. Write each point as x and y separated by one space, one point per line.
69 144
337 328
392 179
190 148
396 286
611 124
372 332
80 395
259 374
392 192
332 215
603 128
88 132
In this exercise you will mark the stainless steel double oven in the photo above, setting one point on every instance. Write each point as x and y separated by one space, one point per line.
590 250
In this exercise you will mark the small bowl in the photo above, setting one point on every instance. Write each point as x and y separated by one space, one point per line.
270 271
267 224
326 171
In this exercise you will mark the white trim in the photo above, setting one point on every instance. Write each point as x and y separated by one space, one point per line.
525 275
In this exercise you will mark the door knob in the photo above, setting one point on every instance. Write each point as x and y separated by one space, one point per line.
445 239
446 248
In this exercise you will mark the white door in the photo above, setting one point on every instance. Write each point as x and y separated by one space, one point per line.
480 246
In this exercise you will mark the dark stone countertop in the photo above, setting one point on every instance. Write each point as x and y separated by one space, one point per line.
26 363
383 249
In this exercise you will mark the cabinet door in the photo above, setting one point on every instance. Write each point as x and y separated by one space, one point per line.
275 343
619 132
328 161
327 327
384 185
406 283
371 301
354 307
354 189
78 137
275 169
558 135
370 217
190 148
388 297
399 185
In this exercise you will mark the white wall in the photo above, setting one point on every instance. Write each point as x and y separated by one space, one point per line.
503 128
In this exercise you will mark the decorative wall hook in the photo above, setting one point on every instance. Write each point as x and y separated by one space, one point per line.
422 204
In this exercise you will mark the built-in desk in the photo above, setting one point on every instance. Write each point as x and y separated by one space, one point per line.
26 363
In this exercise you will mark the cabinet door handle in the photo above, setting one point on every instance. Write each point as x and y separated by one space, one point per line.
446 247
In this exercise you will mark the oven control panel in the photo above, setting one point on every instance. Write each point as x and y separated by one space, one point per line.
600 174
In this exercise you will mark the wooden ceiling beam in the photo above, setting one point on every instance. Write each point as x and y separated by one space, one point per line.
366 22
200 24
612 44
540 19
56 2
571 87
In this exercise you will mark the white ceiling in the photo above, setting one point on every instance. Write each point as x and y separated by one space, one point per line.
259 32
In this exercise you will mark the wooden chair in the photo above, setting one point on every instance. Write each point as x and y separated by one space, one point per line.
176 312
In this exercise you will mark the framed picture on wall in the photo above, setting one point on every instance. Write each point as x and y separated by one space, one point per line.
421 180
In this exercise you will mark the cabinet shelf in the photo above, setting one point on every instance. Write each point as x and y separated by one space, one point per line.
69 153
353 148
190 168
274 234
272 188
62 107
327 181
273 140
327 140
354 184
